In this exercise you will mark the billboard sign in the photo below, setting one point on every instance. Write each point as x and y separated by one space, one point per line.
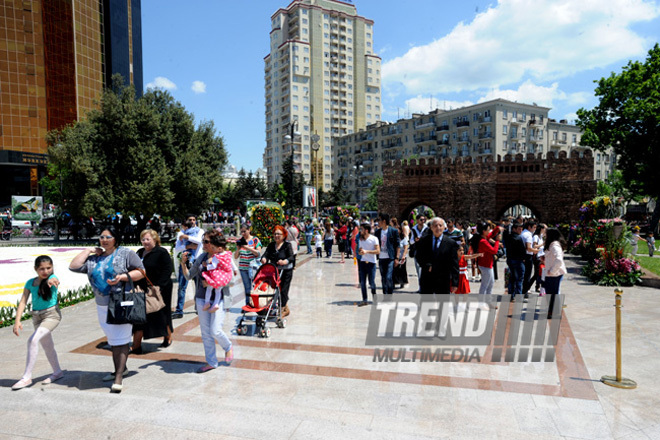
27 208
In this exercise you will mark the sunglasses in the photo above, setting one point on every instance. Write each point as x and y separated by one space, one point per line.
106 237
207 241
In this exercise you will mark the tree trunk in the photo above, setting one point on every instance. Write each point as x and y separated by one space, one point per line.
656 217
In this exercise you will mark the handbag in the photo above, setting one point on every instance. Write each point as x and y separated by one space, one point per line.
126 305
153 298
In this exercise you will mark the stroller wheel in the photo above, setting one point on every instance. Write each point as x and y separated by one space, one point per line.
244 329
281 323
262 333
267 333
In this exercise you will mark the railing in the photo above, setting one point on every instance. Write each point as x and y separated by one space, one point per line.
424 125
485 135
443 127
463 124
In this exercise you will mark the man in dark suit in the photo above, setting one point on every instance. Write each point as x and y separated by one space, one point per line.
438 257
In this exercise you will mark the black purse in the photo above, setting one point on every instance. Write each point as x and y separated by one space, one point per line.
127 304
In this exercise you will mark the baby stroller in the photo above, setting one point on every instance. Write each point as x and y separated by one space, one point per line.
265 302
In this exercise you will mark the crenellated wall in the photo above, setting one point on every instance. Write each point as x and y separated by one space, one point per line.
481 188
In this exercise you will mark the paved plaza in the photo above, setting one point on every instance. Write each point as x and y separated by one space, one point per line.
316 379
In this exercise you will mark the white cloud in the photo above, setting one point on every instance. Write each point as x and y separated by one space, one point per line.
160 82
541 39
528 92
198 87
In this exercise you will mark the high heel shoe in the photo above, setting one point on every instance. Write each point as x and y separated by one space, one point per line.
166 343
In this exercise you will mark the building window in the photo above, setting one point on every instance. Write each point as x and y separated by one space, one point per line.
504 128
504 114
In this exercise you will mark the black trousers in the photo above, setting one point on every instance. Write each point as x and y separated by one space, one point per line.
285 283
530 276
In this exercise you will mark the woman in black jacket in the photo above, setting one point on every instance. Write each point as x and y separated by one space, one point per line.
158 266
280 253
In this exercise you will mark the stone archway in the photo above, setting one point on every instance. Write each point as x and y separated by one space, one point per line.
405 214
516 207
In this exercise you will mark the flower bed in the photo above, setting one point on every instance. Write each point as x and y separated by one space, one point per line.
264 218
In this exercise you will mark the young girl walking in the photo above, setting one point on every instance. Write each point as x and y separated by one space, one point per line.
45 317
463 283
218 274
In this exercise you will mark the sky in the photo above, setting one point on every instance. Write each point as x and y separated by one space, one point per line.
435 54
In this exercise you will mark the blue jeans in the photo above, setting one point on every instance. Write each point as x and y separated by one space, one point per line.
308 242
181 292
211 326
516 276
386 266
327 244
551 285
247 284
366 269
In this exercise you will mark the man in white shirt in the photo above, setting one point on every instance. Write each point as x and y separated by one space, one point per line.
528 239
189 239
369 248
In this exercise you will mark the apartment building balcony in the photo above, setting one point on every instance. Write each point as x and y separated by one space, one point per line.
486 151
424 125
463 123
463 139
485 119
367 173
464 153
443 141
394 130
485 135
557 143
368 162
443 127
532 122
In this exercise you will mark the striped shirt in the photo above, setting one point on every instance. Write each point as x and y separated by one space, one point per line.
245 257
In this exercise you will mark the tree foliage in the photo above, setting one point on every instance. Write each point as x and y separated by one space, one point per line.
248 186
627 118
338 194
129 155
293 183
372 197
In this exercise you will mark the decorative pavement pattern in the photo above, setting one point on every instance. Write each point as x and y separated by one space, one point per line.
317 378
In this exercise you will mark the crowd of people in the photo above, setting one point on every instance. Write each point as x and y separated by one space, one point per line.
442 252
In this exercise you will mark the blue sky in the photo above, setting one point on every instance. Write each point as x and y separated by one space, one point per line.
446 54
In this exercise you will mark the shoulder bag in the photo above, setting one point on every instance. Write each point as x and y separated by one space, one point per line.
127 304
153 298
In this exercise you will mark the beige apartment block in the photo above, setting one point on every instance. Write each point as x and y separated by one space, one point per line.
322 75
494 128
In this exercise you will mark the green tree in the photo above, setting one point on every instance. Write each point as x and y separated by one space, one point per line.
134 156
338 194
627 118
372 197
293 183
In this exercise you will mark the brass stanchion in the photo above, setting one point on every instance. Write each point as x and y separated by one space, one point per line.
618 381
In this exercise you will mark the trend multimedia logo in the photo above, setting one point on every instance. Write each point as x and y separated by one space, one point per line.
464 326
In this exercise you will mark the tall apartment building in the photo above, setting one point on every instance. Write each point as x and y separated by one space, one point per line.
55 58
493 128
321 72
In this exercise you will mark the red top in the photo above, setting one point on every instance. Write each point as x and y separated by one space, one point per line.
488 250
342 232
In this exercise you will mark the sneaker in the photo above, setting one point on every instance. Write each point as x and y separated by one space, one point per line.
205 368
362 304
177 315
116 388
21 384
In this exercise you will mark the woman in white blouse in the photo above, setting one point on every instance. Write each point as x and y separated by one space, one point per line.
555 268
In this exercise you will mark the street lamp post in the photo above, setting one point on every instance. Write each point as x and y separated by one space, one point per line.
290 138
315 151
358 172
